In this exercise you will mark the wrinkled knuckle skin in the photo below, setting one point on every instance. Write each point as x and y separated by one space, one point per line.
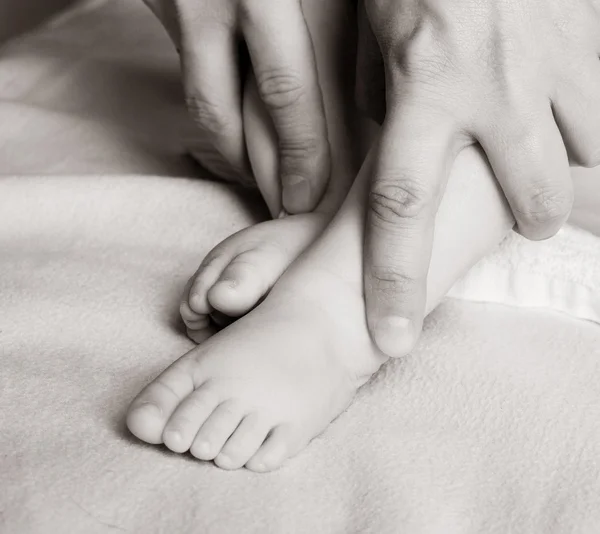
546 206
206 114
301 149
393 281
280 89
393 200
213 128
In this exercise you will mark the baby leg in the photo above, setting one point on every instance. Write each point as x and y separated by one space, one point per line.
240 271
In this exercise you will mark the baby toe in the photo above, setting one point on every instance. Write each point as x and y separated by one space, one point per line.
244 443
152 408
206 276
191 319
213 434
274 451
188 315
241 285
188 417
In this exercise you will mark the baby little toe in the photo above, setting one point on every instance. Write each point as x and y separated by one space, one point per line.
274 451
189 316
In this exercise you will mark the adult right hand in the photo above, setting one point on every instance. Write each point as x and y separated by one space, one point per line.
520 78
207 34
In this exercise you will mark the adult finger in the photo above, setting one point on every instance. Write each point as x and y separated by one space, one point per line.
284 63
529 159
576 105
213 93
415 155
166 12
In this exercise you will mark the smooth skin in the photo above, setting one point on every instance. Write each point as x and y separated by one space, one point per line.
259 391
520 78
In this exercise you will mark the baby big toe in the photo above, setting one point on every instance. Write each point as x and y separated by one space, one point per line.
240 286
152 408
145 421
213 434
244 443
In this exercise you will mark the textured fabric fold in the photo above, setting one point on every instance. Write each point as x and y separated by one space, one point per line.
560 274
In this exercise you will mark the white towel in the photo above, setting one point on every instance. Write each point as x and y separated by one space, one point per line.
561 274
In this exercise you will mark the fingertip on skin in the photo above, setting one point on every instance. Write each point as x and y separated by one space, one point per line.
394 336
296 194
301 191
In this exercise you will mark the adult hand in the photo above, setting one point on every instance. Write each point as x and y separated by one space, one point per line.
208 35
520 77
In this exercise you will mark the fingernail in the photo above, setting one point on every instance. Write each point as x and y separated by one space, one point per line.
296 194
282 214
394 336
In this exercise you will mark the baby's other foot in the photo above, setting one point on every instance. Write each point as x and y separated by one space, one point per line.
240 271
258 392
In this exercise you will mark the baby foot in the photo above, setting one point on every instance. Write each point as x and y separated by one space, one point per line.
257 393
241 270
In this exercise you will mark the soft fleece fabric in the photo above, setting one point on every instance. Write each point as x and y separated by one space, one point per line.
490 426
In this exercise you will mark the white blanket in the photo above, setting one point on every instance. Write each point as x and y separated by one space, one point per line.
490 426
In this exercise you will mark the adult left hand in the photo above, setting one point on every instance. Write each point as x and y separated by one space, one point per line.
520 77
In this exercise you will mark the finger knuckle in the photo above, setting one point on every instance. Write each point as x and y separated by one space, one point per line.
393 280
419 50
207 114
547 204
301 149
393 200
280 88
